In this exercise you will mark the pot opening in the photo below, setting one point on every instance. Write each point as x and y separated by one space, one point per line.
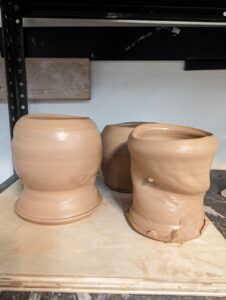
167 133
128 124
53 117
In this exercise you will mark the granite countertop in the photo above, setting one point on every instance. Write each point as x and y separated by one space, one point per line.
84 296
215 208
215 203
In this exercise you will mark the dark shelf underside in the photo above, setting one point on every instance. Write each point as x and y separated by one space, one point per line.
126 43
200 10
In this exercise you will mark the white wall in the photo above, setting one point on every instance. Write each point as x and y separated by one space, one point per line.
6 168
152 91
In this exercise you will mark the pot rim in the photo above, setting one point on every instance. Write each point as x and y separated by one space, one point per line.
129 124
53 117
193 134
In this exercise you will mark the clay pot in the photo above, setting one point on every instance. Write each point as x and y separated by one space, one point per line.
170 168
116 157
57 158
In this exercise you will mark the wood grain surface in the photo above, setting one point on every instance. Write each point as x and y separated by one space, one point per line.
104 254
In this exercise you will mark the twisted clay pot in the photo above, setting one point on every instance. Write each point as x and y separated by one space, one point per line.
170 168
116 157
57 158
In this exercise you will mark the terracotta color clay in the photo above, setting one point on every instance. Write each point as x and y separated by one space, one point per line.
170 168
57 158
116 157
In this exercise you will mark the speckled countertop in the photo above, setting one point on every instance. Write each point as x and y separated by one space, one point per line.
215 207
215 203
63 296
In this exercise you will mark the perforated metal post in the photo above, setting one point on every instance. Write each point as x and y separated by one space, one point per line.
13 46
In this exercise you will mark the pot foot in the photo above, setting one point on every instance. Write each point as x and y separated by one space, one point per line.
60 207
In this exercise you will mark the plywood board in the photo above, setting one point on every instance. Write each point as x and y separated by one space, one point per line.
103 254
54 78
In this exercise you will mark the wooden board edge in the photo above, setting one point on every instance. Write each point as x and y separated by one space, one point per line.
109 285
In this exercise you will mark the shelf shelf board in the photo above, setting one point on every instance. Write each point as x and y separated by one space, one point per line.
104 254
138 10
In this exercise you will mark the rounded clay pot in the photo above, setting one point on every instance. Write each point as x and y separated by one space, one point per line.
116 157
57 158
170 168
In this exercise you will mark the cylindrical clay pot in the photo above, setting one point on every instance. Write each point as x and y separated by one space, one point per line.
57 158
170 168
116 157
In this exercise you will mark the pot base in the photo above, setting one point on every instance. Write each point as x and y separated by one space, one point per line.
52 208
56 221
175 236
119 190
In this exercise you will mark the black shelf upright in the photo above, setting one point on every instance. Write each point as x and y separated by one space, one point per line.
13 50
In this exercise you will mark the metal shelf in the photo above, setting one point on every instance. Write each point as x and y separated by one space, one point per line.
157 13
212 11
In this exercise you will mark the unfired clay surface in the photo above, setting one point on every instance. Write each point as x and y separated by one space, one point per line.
170 172
116 157
57 158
